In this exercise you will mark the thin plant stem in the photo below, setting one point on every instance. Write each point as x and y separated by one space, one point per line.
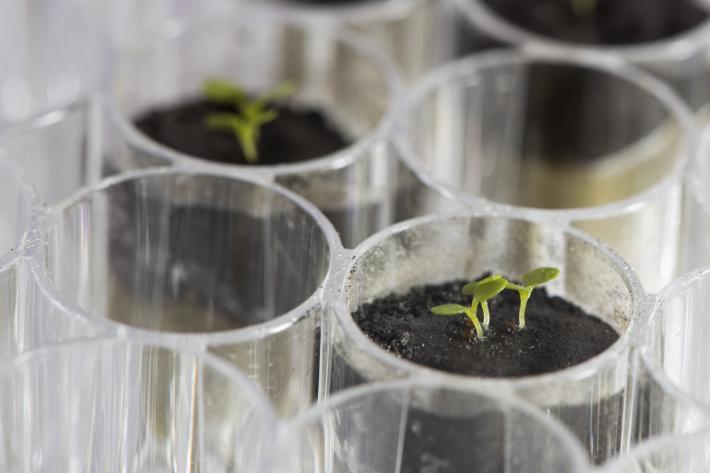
472 314
524 296
486 314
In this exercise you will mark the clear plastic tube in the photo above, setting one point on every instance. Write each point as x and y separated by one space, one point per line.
374 190
31 316
327 69
658 407
431 426
51 57
18 211
680 60
58 149
117 405
232 265
585 141
52 61
589 397
361 188
694 244
675 347
128 24
417 35
671 454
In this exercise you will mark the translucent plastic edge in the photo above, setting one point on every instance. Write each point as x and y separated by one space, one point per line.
676 48
696 182
374 11
606 63
568 441
207 339
678 287
91 84
688 442
32 207
339 159
48 116
253 393
639 309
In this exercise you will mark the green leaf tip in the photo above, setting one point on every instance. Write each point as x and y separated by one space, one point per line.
488 290
470 288
540 276
281 91
449 309
223 91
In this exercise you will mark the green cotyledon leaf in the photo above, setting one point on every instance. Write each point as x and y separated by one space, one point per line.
540 276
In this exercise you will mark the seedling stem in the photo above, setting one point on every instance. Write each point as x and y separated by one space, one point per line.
531 280
482 291
487 288
250 114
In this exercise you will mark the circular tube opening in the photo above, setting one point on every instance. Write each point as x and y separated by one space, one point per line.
545 131
177 251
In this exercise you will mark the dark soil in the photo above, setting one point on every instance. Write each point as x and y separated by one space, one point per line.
334 2
298 134
558 334
606 22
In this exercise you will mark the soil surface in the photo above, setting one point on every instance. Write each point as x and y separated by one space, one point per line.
298 134
333 2
558 334
611 22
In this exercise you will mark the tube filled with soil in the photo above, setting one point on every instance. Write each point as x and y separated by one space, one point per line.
664 37
572 357
311 116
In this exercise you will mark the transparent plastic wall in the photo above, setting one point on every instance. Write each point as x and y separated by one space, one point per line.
681 60
587 142
695 246
681 454
417 426
29 315
416 35
17 210
205 260
198 267
113 405
675 349
128 24
52 59
589 397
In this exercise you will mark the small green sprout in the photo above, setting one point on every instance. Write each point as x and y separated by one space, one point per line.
482 292
531 280
250 114
471 288
583 7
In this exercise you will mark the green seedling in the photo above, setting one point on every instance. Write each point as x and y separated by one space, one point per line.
471 288
482 292
531 280
583 7
249 115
